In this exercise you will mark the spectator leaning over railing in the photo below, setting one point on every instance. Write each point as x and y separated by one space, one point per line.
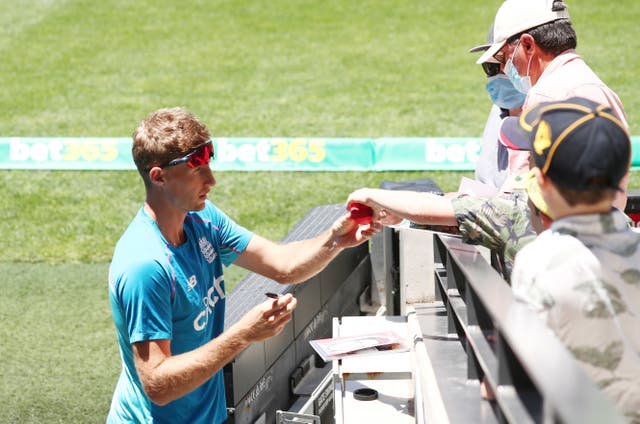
582 275
504 223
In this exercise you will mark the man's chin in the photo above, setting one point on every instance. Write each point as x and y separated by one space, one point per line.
200 206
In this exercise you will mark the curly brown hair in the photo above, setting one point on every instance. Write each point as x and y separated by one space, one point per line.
164 135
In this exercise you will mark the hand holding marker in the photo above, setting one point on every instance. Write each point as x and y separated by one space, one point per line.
360 213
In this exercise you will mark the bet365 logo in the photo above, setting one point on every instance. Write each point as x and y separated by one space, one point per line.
271 150
62 149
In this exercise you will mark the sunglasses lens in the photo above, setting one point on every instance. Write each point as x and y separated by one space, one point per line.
202 156
491 69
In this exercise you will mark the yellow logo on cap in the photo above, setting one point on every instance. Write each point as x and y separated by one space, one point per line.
543 138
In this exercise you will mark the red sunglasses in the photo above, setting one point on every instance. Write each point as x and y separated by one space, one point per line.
200 156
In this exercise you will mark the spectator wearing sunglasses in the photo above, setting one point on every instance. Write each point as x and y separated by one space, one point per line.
492 166
535 42
166 282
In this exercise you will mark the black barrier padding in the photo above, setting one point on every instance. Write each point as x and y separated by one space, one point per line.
426 185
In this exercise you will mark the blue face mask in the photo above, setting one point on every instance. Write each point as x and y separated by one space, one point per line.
502 92
520 83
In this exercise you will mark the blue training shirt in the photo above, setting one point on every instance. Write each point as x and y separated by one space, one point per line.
158 291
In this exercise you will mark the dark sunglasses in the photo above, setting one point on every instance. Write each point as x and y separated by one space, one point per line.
499 56
491 69
200 156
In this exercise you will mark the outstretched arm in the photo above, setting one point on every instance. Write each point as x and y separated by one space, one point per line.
166 378
390 206
298 261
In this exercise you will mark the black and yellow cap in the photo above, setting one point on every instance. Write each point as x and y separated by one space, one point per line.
577 143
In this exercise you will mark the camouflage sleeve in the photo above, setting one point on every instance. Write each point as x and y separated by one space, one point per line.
491 222
500 223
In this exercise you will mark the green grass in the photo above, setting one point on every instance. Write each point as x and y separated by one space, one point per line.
246 68
78 216
59 362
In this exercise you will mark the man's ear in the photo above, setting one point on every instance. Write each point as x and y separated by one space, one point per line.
156 176
527 43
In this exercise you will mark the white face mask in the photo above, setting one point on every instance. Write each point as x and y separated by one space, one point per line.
520 83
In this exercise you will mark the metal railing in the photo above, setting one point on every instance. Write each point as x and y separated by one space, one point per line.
533 376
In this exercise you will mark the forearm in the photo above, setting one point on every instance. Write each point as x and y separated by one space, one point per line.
301 260
176 376
418 207
166 378
298 261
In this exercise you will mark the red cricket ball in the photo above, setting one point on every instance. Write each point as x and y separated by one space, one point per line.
360 213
